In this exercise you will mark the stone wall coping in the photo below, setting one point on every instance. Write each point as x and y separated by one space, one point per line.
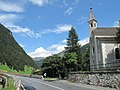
95 72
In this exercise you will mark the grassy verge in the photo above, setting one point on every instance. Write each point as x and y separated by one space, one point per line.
10 84
5 68
50 79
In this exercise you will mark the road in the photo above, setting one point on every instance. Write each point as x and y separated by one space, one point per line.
38 84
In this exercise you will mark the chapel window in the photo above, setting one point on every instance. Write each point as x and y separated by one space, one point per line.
94 25
117 53
91 25
93 50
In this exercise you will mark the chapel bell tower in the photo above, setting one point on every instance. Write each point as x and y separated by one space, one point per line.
92 21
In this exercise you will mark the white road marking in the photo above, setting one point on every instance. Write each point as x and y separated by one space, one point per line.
50 85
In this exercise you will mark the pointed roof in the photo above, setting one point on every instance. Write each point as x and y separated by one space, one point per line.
91 15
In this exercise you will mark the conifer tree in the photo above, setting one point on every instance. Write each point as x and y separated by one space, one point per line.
73 46
72 42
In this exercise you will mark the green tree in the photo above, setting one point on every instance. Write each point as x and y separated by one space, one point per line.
70 62
73 46
72 42
52 65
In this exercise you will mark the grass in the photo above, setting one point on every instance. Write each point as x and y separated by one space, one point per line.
10 84
50 79
27 70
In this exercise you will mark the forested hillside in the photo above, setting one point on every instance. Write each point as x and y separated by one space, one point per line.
11 53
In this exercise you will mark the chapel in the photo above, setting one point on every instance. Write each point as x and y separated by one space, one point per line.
104 50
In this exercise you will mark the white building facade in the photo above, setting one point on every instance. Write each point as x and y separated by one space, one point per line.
104 50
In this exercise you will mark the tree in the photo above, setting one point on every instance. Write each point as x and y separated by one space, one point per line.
73 46
72 42
52 65
70 62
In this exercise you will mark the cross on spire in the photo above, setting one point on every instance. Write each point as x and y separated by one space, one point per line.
91 14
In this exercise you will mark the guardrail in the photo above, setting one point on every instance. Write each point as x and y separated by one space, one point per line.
3 80
17 82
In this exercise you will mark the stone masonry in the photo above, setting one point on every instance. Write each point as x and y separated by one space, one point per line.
103 78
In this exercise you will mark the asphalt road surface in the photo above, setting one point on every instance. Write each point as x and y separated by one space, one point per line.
38 84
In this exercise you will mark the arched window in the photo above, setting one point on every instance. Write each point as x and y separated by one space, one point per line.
94 24
93 50
117 53
91 25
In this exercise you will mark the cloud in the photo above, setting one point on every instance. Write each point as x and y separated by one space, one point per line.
25 30
64 4
21 45
116 23
77 1
53 49
38 2
64 41
10 7
69 11
84 41
59 29
57 48
18 29
8 18
40 52
82 20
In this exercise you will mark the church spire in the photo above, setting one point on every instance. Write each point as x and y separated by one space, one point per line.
91 14
92 21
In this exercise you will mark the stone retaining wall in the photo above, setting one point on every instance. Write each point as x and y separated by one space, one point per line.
106 79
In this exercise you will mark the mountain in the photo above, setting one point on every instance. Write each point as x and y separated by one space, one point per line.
83 50
11 53
61 54
85 47
38 60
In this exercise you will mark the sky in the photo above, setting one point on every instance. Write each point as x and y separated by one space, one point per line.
41 26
